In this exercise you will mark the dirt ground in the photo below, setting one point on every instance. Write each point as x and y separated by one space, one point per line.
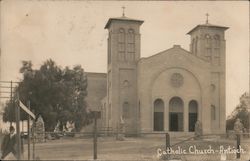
143 148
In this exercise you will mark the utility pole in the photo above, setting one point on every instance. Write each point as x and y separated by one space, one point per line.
17 108
6 92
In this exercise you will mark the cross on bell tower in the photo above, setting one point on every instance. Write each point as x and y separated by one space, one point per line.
207 18
123 11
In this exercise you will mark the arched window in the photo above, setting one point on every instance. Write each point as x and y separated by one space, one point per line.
216 49
125 110
213 112
217 41
208 40
158 115
131 44
193 114
131 36
176 120
121 40
208 54
121 35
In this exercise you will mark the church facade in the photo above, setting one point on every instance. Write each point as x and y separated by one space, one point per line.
166 92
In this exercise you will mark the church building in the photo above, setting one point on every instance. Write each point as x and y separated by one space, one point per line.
166 92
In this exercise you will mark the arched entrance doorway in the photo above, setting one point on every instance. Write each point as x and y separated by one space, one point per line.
193 114
176 114
158 115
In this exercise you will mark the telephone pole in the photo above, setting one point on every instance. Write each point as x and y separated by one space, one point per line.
7 92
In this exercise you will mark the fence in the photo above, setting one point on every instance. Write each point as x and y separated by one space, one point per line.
145 146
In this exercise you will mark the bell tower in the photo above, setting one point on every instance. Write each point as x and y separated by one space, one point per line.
208 43
123 54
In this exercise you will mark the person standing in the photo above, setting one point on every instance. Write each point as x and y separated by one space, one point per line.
8 143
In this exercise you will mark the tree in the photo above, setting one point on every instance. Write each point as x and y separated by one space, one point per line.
241 112
53 92
9 112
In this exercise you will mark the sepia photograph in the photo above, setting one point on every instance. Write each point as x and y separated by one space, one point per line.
124 80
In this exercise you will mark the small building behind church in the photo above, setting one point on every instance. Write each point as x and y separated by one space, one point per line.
166 92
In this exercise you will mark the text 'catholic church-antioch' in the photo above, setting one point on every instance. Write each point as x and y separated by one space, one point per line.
166 92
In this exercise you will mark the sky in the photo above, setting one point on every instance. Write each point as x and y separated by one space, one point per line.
72 32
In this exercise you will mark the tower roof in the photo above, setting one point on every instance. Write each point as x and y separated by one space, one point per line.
123 18
206 26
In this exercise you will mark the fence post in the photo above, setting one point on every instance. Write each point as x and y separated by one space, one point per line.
22 145
117 132
28 132
33 137
238 146
95 135
167 140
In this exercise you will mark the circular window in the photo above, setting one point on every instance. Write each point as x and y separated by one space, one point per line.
177 80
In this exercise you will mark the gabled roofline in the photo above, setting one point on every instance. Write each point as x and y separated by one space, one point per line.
175 46
161 52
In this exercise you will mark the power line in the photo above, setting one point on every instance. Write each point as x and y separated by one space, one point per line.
8 82
5 97
4 87
8 87
4 92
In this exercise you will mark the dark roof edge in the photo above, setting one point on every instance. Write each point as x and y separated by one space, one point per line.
214 26
95 73
121 19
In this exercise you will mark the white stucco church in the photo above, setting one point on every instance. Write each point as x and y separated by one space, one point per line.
166 92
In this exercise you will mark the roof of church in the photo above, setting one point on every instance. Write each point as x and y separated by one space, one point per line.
175 47
96 89
96 74
123 18
208 25
167 50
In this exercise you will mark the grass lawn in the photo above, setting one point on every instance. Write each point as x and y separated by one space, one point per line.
130 149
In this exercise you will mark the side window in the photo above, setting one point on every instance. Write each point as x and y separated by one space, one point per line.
217 41
121 40
213 112
131 41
